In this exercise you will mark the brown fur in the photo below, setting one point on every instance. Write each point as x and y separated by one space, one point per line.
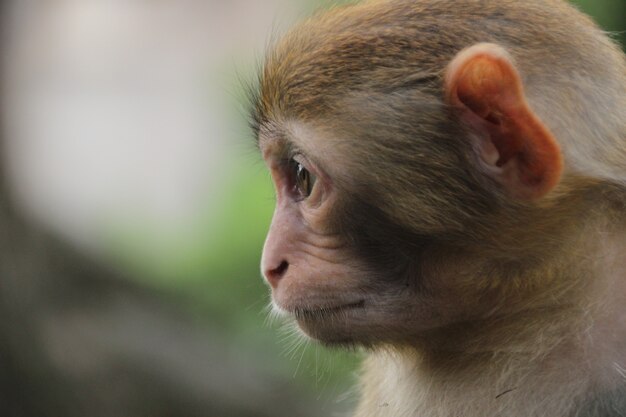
476 303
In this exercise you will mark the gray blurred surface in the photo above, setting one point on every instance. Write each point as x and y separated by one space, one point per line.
77 338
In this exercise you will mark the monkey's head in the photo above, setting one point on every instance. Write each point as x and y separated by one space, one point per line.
405 157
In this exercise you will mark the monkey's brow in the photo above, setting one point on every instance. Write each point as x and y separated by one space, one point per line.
264 131
272 133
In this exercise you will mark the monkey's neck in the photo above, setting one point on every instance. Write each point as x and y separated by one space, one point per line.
569 307
539 377
539 361
501 384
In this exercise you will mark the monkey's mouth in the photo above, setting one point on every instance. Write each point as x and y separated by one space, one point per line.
308 313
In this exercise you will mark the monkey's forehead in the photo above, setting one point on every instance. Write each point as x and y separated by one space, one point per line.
391 46
321 60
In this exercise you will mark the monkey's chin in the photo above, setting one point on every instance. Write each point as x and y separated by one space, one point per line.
330 326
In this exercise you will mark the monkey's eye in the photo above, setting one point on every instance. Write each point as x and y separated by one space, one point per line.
303 180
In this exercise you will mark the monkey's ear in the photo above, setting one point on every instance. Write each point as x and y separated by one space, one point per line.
517 148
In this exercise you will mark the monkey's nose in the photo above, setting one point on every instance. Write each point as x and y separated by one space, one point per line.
274 275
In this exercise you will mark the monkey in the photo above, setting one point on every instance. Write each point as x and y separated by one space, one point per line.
450 180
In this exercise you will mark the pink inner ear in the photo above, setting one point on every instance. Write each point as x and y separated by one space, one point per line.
484 84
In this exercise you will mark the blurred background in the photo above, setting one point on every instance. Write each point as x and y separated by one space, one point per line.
133 210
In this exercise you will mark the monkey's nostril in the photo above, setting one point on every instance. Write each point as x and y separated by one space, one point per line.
275 275
282 268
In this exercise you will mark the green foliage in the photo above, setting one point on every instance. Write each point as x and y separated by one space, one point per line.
609 14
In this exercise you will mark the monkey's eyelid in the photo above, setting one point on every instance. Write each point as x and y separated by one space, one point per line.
294 152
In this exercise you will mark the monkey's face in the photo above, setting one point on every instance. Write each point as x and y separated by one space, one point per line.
331 264
308 264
